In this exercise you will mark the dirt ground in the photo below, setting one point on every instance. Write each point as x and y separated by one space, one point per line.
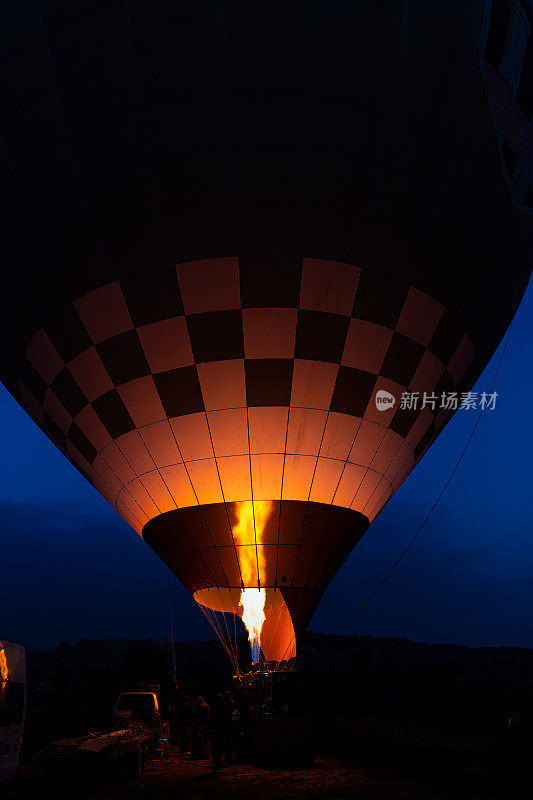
422 756
331 777
179 777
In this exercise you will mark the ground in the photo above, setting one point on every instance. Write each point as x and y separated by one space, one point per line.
330 778
388 761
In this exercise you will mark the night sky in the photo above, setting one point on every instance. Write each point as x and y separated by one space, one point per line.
73 568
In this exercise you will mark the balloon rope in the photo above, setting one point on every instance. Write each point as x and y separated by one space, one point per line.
235 632
435 504
172 600
229 634
214 624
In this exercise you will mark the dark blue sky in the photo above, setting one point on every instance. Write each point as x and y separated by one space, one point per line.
72 568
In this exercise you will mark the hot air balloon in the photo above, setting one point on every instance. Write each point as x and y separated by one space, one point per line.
235 234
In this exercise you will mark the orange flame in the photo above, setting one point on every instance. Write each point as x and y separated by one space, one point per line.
253 616
248 534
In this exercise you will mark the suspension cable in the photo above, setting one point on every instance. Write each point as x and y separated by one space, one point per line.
435 504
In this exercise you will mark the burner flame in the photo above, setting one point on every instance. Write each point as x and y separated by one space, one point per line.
248 536
253 616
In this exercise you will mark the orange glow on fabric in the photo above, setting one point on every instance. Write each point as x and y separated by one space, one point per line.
248 535
4 672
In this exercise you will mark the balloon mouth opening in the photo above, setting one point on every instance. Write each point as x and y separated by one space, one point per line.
266 619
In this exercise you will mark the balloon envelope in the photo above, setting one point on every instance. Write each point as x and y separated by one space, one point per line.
235 236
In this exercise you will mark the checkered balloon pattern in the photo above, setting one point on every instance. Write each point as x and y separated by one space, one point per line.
234 379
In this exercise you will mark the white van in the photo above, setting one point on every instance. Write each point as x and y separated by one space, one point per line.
12 707
136 705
